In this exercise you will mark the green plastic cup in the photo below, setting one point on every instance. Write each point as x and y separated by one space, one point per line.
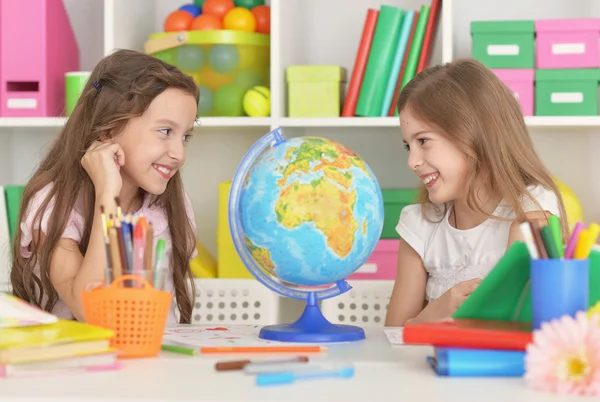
74 83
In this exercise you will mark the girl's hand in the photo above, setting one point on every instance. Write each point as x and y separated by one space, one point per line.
540 217
102 162
449 302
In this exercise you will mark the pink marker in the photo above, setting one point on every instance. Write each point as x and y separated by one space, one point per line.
138 253
570 249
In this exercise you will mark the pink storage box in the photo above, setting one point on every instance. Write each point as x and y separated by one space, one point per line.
520 82
382 264
37 48
567 43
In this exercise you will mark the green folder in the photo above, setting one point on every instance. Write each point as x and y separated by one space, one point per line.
504 294
13 195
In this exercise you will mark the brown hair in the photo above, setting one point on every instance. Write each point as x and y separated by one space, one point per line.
128 82
467 103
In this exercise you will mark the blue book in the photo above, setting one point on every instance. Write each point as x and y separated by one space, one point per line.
397 62
460 362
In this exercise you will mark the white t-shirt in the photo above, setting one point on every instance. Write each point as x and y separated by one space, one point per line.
451 255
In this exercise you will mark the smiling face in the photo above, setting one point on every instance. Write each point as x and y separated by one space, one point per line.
154 143
438 162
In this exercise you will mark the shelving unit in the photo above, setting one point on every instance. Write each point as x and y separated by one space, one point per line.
311 32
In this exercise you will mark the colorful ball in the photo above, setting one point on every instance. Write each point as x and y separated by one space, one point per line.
192 9
572 204
240 19
262 15
205 104
189 57
178 20
257 102
199 3
224 58
206 22
213 80
217 7
168 56
228 101
249 4
247 79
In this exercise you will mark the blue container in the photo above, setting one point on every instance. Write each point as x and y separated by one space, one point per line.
558 287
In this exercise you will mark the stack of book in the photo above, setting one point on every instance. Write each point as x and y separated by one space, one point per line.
35 343
395 45
473 347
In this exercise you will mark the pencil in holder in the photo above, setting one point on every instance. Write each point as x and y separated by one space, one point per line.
559 287
138 315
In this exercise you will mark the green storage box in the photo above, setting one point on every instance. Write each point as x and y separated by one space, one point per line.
504 44
393 202
315 91
567 92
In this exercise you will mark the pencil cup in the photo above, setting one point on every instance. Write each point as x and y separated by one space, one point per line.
558 287
137 315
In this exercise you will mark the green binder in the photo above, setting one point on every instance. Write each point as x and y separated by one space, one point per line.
504 294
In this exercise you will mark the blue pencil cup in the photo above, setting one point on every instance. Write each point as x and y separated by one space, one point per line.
558 288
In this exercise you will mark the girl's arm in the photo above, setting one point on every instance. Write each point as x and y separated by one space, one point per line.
408 294
70 271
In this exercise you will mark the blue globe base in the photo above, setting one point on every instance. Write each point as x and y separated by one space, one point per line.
312 327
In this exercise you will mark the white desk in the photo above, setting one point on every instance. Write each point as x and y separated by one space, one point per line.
382 373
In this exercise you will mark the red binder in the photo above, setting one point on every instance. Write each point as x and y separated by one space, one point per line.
470 333
360 63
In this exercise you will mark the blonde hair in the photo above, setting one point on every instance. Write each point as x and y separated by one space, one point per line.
468 104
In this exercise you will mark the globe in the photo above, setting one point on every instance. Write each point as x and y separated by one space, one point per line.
305 213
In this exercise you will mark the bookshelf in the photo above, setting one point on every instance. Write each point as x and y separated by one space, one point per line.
310 32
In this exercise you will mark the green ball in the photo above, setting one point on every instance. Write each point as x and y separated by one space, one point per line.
205 104
249 4
190 58
247 79
167 56
224 58
228 101
199 3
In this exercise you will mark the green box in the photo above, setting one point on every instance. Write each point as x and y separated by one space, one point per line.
393 202
315 91
567 92
504 44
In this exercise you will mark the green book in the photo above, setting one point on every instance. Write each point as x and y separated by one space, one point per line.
13 195
379 63
505 294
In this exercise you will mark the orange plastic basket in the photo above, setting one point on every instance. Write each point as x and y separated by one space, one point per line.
137 315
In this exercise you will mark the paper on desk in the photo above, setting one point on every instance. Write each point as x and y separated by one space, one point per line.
394 335
219 336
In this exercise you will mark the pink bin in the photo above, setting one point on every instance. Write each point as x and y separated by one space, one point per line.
37 48
382 264
567 43
520 82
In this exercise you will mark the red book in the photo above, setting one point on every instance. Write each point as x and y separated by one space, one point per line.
470 333
360 63
394 102
432 23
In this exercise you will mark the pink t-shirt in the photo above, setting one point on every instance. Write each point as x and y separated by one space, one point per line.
75 228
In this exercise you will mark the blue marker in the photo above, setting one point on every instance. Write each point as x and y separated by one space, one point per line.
289 377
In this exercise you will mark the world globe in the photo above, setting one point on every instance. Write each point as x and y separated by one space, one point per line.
305 213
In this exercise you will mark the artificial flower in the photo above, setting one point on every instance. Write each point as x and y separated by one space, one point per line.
564 356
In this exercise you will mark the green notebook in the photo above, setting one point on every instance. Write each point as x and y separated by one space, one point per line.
504 294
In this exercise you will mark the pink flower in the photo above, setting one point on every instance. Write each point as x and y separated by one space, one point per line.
564 356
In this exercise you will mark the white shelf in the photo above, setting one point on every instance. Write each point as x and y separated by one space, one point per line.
32 122
341 122
562 121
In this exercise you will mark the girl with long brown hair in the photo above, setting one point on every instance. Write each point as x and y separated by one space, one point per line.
481 177
125 138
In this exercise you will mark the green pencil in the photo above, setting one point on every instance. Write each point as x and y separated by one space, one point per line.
180 349
554 225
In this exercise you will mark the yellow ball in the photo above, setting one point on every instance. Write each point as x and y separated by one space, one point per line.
257 101
240 19
572 204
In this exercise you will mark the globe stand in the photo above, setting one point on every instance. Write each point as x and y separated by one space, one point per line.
312 326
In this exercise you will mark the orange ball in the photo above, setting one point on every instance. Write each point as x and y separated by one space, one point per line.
240 19
178 21
217 7
262 14
206 22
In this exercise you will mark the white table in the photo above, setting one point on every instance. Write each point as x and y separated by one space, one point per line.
382 373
